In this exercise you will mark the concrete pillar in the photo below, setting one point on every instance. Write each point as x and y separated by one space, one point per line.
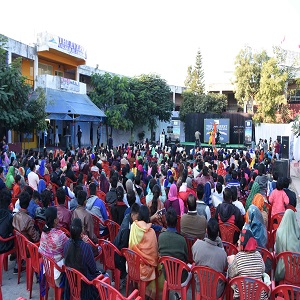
35 71
8 57
77 75
245 107
9 136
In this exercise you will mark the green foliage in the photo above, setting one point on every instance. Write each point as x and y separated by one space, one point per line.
132 103
18 112
248 74
296 126
271 95
195 77
210 103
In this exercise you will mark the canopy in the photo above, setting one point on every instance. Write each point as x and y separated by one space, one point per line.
62 102
63 117
88 119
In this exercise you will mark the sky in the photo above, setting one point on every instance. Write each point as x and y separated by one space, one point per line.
136 37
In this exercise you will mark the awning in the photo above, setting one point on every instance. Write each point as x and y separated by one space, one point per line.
83 118
61 102
62 117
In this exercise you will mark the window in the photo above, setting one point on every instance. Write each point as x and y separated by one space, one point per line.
295 95
45 69
59 73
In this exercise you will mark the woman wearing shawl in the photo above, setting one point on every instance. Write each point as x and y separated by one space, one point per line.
247 262
254 190
104 184
255 223
287 239
10 177
259 202
142 239
174 201
42 185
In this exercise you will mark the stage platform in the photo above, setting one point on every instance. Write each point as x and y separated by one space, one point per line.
219 146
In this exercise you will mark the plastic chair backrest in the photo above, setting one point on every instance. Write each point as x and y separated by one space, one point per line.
21 242
101 195
143 200
106 291
208 281
75 279
133 260
268 259
54 188
275 221
173 270
190 242
97 222
34 256
47 178
49 265
109 250
292 267
40 224
113 229
289 206
249 288
229 248
212 211
285 291
227 231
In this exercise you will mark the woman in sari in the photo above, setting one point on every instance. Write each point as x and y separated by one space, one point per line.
174 201
10 177
287 239
254 190
142 239
255 223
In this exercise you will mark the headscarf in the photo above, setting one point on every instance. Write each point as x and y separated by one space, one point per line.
173 195
257 226
221 170
10 177
129 185
22 171
248 242
41 186
42 168
287 239
63 163
104 184
259 202
254 190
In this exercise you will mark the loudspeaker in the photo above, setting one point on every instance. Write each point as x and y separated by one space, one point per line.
285 147
282 167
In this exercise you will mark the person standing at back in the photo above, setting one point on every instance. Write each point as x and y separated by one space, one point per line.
79 134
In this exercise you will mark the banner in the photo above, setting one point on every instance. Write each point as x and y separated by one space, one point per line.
248 131
222 130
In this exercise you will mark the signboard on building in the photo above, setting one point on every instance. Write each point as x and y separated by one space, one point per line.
248 131
69 85
222 126
46 40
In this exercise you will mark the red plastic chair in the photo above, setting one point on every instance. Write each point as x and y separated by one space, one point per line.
227 232
212 211
40 224
271 240
75 280
21 243
286 292
289 206
190 242
101 195
4 256
173 269
229 248
47 178
134 261
97 221
13 201
49 265
109 250
248 288
292 267
106 291
275 221
113 229
95 250
35 260
268 259
69 182
208 283
54 188
143 200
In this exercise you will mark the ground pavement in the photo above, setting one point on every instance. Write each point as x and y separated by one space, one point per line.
11 290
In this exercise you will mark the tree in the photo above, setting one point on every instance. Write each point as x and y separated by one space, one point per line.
152 99
18 111
271 98
195 77
112 94
188 104
248 74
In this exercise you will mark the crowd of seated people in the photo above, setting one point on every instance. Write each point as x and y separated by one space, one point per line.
144 190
